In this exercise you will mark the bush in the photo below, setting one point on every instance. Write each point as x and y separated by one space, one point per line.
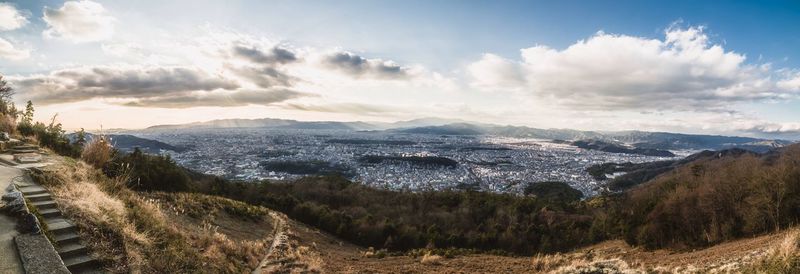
98 152
8 124
52 136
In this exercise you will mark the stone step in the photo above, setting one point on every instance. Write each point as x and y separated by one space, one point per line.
32 190
50 212
78 263
8 160
59 226
67 238
25 147
71 250
39 197
22 151
42 205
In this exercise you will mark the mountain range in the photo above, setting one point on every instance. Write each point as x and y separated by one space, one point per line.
439 126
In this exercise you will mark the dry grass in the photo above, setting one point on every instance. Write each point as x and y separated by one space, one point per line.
778 253
783 258
132 233
429 258
97 152
544 263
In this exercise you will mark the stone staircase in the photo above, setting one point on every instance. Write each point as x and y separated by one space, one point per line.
21 154
24 149
64 234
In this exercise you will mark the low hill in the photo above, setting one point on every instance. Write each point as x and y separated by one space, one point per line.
716 197
127 143
619 148
635 174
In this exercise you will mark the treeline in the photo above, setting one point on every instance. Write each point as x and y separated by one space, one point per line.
425 161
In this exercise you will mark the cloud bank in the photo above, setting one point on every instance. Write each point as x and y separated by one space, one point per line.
80 84
684 71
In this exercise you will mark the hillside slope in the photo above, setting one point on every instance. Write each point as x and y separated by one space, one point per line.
139 232
336 256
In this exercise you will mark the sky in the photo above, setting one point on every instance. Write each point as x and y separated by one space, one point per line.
710 67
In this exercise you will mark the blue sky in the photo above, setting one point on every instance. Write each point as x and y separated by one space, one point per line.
730 68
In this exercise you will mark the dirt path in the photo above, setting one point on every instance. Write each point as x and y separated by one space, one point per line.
287 254
278 238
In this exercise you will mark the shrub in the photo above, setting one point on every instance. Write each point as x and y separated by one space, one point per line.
98 152
8 124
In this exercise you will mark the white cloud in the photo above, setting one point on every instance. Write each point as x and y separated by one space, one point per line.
684 71
493 72
790 82
79 21
8 51
11 18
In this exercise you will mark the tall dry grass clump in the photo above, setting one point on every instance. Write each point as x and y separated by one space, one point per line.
783 258
97 152
8 124
544 263
430 258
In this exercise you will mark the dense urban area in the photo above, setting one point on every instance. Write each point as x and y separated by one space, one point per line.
390 160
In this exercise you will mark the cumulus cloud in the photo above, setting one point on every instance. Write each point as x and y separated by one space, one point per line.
8 51
265 65
790 82
79 21
275 55
219 99
493 71
265 77
357 66
682 71
71 85
11 18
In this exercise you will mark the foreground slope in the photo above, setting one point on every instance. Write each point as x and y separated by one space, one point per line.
137 232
